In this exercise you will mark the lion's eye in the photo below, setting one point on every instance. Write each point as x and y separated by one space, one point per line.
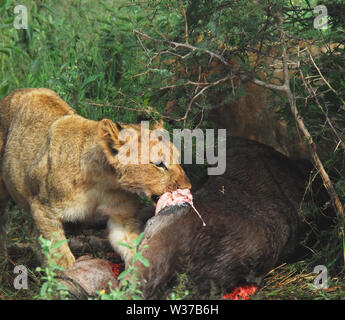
160 165
114 151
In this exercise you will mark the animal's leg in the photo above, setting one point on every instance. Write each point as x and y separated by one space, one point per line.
50 227
4 197
125 229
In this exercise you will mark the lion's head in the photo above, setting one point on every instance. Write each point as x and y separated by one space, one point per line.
144 161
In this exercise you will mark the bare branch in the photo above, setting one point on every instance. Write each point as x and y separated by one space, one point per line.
184 118
139 110
185 22
269 85
314 96
193 83
184 45
299 120
323 78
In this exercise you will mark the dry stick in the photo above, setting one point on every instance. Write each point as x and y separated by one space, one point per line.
152 19
317 162
312 147
145 50
193 83
313 94
14 264
185 21
184 45
202 115
117 106
324 80
130 109
192 48
184 118
282 88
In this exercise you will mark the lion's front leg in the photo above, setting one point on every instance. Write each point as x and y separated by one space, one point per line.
125 229
51 228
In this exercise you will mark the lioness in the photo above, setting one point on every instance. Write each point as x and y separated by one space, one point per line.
63 167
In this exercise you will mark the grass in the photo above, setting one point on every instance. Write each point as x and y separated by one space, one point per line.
86 52
20 230
70 47
296 282
288 281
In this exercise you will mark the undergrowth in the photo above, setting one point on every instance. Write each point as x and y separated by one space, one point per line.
129 278
86 52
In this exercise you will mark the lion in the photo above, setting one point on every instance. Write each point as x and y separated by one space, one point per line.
62 167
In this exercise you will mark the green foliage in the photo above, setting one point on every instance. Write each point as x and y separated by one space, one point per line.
130 282
180 291
85 51
51 287
88 53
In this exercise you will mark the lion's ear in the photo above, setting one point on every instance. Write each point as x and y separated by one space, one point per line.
158 124
108 132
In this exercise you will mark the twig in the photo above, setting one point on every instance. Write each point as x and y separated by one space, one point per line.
323 78
185 22
299 120
152 19
271 86
117 106
144 48
184 45
193 83
184 118
313 94
147 111
14 264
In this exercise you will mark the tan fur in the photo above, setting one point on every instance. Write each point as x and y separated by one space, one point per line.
60 166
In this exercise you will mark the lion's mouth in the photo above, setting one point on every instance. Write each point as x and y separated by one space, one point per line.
175 198
155 198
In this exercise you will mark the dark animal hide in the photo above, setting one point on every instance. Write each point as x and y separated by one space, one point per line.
252 221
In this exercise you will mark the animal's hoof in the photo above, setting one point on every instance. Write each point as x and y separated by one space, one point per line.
89 275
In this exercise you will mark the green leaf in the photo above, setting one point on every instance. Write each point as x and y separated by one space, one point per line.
124 245
57 267
59 243
91 79
212 26
3 89
44 289
137 241
5 51
144 261
52 10
56 255
123 274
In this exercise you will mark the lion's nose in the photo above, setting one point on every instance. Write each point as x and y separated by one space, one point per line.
180 183
185 183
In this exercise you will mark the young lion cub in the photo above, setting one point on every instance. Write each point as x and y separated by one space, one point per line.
63 167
